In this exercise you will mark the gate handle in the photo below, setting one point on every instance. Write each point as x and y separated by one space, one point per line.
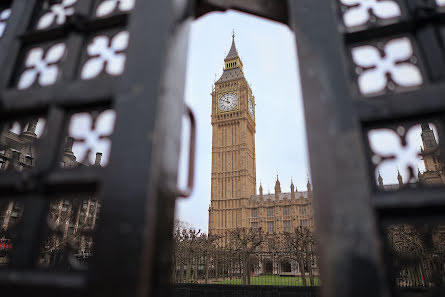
192 152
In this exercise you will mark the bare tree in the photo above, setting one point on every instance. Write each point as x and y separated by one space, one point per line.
246 242
301 246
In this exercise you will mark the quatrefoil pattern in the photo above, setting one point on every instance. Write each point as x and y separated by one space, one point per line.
395 62
91 135
397 149
359 12
57 14
42 66
107 7
106 55
4 16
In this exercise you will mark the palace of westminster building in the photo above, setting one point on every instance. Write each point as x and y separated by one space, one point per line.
69 217
234 200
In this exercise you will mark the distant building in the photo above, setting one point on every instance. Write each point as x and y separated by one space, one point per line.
69 217
434 171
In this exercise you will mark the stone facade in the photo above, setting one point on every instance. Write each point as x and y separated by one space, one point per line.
280 212
234 203
69 217
430 152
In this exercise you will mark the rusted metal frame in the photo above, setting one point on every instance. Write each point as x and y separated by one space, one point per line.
275 10
139 210
346 224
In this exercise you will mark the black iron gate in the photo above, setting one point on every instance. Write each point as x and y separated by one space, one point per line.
59 58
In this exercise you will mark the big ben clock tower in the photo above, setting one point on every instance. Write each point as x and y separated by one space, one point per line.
233 147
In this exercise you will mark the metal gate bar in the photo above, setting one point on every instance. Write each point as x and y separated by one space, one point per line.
139 185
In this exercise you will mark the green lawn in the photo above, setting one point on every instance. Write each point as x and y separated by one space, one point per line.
273 280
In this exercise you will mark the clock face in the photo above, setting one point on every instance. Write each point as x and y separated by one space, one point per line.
228 102
251 111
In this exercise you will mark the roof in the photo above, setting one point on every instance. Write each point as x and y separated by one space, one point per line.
281 196
233 53
230 74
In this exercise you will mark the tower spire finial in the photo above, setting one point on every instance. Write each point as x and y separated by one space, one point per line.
233 34
380 179
399 177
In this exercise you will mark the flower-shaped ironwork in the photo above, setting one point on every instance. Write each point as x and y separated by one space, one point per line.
108 6
359 12
57 14
398 148
91 134
4 16
397 62
42 66
106 54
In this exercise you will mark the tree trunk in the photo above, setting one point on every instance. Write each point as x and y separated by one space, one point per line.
187 271
216 268
193 270
248 270
245 272
175 278
206 269
311 275
302 271
309 266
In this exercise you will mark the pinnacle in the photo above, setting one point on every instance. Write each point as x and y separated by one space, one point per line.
233 53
